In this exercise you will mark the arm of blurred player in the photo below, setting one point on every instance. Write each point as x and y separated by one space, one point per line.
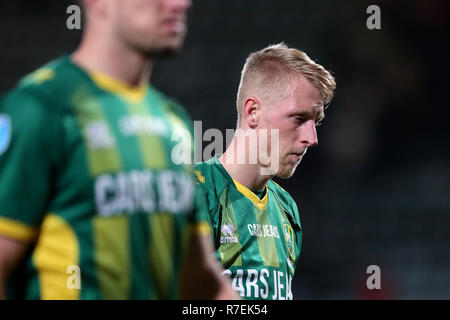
11 252
28 159
202 277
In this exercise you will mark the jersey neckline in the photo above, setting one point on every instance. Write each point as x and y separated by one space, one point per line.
261 204
112 85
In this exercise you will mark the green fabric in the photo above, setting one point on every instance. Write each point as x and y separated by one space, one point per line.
96 160
258 247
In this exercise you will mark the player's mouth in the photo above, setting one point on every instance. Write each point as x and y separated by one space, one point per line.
297 155
176 25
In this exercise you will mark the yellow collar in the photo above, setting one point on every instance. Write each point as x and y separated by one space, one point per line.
259 203
130 94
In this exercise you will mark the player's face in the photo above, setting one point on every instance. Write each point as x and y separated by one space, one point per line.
295 116
157 28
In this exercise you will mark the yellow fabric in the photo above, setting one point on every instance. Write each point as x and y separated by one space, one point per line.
41 75
55 256
201 228
259 203
16 230
199 176
161 251
130 94
112 260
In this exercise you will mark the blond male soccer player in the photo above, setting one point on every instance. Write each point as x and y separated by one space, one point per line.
91 204
256 225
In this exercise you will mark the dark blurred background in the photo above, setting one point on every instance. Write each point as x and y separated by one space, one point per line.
376 191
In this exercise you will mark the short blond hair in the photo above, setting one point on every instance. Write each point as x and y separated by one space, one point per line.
274 66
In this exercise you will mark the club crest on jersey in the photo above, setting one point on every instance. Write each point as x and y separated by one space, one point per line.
289 237
5 132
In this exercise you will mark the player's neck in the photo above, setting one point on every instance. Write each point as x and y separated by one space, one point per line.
246 174
113 59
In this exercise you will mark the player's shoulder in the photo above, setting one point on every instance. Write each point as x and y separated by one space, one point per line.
285 199
205 172
210 176
173 110
52 77
280 191
169 104
41 88
212 184
163 98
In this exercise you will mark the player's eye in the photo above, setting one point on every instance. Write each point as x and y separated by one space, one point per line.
300 119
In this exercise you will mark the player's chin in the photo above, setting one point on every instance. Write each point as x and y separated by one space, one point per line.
165 51
163 47
287 171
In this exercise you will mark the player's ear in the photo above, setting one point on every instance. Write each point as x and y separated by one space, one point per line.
251 110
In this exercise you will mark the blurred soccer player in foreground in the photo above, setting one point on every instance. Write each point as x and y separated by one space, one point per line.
256 224
91 204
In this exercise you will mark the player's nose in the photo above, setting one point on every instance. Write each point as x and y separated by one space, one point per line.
309 134
180 5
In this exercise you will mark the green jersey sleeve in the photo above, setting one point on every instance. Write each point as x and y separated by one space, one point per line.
26 152
292 211
201 221
206 198
298 231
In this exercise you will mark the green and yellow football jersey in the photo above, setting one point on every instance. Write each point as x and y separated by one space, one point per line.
257 241
86 176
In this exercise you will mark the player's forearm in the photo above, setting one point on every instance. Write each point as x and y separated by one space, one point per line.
206 283
2 291
198 280
225 291
202 278
2 281
11 252
3 277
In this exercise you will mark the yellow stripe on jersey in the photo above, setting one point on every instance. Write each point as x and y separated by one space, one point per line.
151 146
230 252
111 254
16 230
161 251
101 145
266 245
56 254
119 88
259 203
